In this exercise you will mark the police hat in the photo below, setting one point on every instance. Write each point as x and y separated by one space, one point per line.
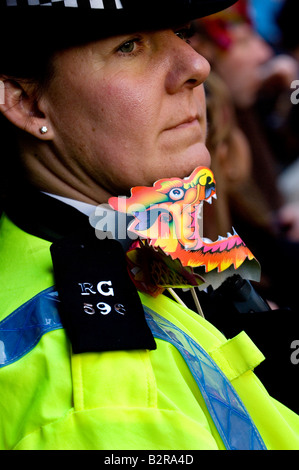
199 8
31 29
109 16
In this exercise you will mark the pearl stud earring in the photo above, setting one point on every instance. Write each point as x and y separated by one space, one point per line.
43 130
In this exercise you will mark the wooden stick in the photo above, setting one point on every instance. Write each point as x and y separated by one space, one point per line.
176 297
197 304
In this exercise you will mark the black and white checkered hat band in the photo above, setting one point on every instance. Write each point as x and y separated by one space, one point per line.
93 4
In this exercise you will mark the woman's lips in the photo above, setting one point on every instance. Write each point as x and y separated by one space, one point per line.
191 121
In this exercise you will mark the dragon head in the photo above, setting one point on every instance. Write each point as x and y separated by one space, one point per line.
167 213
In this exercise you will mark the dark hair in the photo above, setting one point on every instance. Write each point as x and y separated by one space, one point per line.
17 66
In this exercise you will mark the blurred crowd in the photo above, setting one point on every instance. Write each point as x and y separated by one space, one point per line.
253 49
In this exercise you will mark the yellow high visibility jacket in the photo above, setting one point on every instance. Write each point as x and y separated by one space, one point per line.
197 390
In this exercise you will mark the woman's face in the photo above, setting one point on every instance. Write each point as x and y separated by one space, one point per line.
123 110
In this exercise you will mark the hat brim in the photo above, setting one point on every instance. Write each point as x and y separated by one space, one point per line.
135 15
153 14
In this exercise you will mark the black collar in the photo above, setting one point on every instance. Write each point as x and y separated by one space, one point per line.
44 216
47 217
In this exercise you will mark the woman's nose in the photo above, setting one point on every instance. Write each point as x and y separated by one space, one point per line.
187 68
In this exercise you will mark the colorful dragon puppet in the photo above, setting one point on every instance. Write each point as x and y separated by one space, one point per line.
166 216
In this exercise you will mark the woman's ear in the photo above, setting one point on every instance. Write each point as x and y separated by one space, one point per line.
21 107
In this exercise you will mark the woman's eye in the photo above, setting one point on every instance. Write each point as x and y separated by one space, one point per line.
185 33
128 47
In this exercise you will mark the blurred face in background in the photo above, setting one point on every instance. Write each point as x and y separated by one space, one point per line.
241 65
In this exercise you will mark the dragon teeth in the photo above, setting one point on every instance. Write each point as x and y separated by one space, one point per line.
209 200
206 240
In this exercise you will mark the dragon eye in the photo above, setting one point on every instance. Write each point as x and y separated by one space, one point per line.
176 194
